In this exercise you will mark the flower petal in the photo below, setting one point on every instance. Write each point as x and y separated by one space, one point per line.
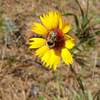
66 56
66 28
46 57
41 51
60 22
51 59
69 44
39 28
56 61
36 42
50 20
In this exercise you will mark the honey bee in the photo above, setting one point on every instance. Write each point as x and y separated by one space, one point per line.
51 39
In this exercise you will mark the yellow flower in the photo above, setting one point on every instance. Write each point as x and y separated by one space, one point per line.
55 43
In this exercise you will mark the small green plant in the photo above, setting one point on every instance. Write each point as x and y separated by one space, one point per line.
84 28
81 96
9 29
41 98
1 26
84 31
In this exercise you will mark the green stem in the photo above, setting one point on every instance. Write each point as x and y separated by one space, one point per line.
82 12
78 79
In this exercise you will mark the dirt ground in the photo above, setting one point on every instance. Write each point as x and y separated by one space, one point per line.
22 75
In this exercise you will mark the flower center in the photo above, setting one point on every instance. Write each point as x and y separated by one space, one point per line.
55 39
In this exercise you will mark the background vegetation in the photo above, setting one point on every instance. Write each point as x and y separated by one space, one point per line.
22 75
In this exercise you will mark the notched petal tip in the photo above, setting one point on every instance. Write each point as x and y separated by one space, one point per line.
38 28
51 20
37 42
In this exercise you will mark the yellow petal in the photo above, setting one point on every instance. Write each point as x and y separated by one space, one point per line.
39 28
69 44
60 22
46 57
66 28
53 60
36 42
66 56
41 51
56 61
50 20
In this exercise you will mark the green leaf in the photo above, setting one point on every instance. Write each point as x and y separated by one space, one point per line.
97 32
82 12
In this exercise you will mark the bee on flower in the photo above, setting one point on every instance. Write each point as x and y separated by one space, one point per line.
56 43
